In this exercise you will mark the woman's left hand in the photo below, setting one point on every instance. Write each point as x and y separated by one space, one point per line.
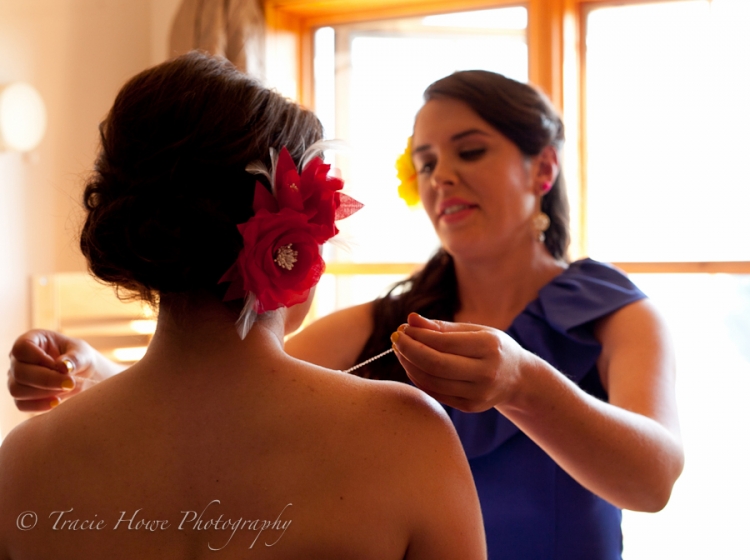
469 367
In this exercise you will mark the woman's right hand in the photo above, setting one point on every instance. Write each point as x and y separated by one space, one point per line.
47 367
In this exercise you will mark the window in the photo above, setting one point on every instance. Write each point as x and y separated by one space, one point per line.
369 80
667 115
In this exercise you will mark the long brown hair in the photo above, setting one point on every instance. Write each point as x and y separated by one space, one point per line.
528 119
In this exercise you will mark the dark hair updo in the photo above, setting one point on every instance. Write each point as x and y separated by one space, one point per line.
170 186
526 117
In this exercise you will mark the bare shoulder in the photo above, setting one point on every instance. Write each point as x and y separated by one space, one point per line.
406 405
637 363
407 422
50 444
635 333
395 412
19 451
636 320
403 444
334 341
429 473
18 447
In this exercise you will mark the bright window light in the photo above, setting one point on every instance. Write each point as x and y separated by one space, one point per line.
129 354
667 117
143 326
369 80
709 319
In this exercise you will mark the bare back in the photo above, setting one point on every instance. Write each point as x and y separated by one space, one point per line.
290 461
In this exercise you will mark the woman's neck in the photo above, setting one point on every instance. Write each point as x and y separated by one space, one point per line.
199 335
495 290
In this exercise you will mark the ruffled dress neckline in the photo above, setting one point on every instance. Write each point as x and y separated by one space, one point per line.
558 327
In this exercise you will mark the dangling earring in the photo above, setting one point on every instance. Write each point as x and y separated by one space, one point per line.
541 224
541 220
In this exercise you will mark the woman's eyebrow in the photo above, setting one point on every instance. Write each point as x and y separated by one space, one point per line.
468 133
421 148
454 138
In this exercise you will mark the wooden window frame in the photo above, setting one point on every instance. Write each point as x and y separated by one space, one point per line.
555 33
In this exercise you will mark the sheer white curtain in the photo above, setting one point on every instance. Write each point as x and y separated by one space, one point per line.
234 29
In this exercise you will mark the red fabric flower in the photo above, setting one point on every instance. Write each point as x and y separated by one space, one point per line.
314 192
280 261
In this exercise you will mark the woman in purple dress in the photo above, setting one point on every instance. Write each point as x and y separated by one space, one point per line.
558 376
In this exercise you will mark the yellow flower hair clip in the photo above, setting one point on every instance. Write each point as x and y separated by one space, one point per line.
407 176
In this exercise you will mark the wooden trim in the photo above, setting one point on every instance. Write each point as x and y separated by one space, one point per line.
403 11
332 12
347 269
708 267
545 40
306 65
603 3
583 140
572 105
714 267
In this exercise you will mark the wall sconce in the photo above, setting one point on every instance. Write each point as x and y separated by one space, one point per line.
23 117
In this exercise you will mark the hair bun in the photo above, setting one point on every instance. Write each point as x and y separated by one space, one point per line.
170 185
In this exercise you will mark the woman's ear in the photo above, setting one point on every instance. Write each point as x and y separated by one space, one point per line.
547 169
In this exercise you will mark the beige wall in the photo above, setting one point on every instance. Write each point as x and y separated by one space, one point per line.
77 53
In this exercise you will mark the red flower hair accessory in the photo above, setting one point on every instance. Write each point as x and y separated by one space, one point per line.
280 261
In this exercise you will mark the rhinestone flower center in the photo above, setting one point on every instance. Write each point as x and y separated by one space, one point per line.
286 257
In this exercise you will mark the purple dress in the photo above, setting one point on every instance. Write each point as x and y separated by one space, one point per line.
532 509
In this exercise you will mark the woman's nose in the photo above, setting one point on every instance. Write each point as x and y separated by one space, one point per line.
444 175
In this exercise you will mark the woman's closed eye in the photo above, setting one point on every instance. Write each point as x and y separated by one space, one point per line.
425 167
473 154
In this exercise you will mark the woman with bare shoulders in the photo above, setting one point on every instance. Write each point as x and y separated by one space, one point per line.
218 442
558 376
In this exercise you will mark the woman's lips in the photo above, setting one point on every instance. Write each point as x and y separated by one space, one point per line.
455 210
